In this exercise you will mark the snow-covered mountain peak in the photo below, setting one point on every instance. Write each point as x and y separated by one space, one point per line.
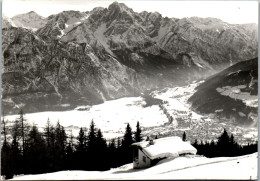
32 13
30 20
121 6
120 11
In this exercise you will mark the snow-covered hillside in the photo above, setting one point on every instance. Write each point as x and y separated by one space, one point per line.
243 167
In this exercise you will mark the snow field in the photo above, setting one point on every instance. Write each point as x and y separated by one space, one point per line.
197 167
111 117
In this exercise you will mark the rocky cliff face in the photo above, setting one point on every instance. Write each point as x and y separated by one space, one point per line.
88 57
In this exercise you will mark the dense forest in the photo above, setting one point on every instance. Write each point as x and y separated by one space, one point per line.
26 150
30 151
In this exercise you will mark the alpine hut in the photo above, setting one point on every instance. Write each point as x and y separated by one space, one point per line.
149 153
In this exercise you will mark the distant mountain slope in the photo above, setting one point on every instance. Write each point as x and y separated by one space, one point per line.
54 72
231 94
29 20
107 53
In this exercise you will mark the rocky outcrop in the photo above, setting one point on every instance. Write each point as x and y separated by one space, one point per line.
59 24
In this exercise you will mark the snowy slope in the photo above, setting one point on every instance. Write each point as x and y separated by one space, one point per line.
243 167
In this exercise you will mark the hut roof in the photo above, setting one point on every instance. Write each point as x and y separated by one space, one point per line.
165 147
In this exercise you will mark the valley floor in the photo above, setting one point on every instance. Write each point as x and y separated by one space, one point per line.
171 117
197 167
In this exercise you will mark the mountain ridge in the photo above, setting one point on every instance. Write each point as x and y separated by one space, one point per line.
108 53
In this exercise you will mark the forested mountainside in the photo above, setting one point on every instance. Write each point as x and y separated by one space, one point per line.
231 94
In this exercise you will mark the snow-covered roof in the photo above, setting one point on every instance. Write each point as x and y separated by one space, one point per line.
166 147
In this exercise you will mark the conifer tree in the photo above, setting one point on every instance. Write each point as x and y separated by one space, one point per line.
51 148
69 158
101 152
138 137
6 170
126 142
69 149
223 139
223 144
91 138
112 154
119 152
59 146
16 155
4 129
24 128
184 136
82 144
47 133
127 139
35 152
91 147
101 142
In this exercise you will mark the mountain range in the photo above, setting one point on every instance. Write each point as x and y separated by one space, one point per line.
73 58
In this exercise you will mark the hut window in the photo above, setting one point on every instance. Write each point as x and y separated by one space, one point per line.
144 159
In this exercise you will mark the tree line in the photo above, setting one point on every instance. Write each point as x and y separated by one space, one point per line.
33 152
225 146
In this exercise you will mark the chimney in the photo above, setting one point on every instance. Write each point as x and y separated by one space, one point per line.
151 142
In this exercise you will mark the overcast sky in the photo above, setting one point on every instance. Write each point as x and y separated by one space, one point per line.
229 11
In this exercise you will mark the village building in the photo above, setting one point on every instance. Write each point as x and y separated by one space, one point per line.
149 153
